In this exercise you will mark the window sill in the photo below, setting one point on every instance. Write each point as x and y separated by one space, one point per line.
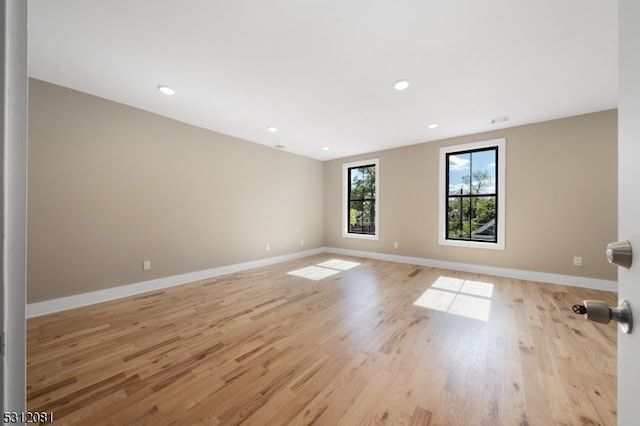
472 244
359 236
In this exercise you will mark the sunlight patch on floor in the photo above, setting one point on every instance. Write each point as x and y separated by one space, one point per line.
315 273
471 299
340 264
324 269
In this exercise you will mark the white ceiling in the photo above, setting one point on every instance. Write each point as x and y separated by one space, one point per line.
322 71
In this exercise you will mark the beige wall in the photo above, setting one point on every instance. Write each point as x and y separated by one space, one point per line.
561 183
111 186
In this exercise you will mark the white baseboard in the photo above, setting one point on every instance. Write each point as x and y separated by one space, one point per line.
570 280
76 301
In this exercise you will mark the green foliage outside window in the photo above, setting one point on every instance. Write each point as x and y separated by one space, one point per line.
471 198
362 194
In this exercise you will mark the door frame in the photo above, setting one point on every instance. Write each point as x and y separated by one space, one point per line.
13 168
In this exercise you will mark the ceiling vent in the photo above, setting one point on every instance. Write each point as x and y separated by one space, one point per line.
499 119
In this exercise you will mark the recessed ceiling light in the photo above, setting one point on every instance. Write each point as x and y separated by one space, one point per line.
433 125
401 84
166 90
325 148
272 129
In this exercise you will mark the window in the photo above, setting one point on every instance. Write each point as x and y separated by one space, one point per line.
472 194
360 199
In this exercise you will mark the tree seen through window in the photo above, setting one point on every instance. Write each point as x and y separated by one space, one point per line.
472 195
362 199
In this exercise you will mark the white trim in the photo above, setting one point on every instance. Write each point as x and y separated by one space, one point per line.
85 299
545 277
14 183
76 301
501 171
345 194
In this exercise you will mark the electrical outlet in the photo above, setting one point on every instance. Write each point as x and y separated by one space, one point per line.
577 261
146 265
395 245
301 242
267 247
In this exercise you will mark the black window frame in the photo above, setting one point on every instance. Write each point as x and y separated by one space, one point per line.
470 196
371 228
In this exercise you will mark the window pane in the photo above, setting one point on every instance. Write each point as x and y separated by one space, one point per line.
357 183
355 216
368 217
459 217
369 181
483 173
363 182
483 222
362 217
459 171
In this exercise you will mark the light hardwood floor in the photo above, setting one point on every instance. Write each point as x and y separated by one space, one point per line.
266 347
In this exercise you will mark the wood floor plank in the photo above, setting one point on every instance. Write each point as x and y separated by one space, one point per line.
375 342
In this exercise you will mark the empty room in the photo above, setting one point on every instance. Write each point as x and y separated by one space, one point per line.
331 213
